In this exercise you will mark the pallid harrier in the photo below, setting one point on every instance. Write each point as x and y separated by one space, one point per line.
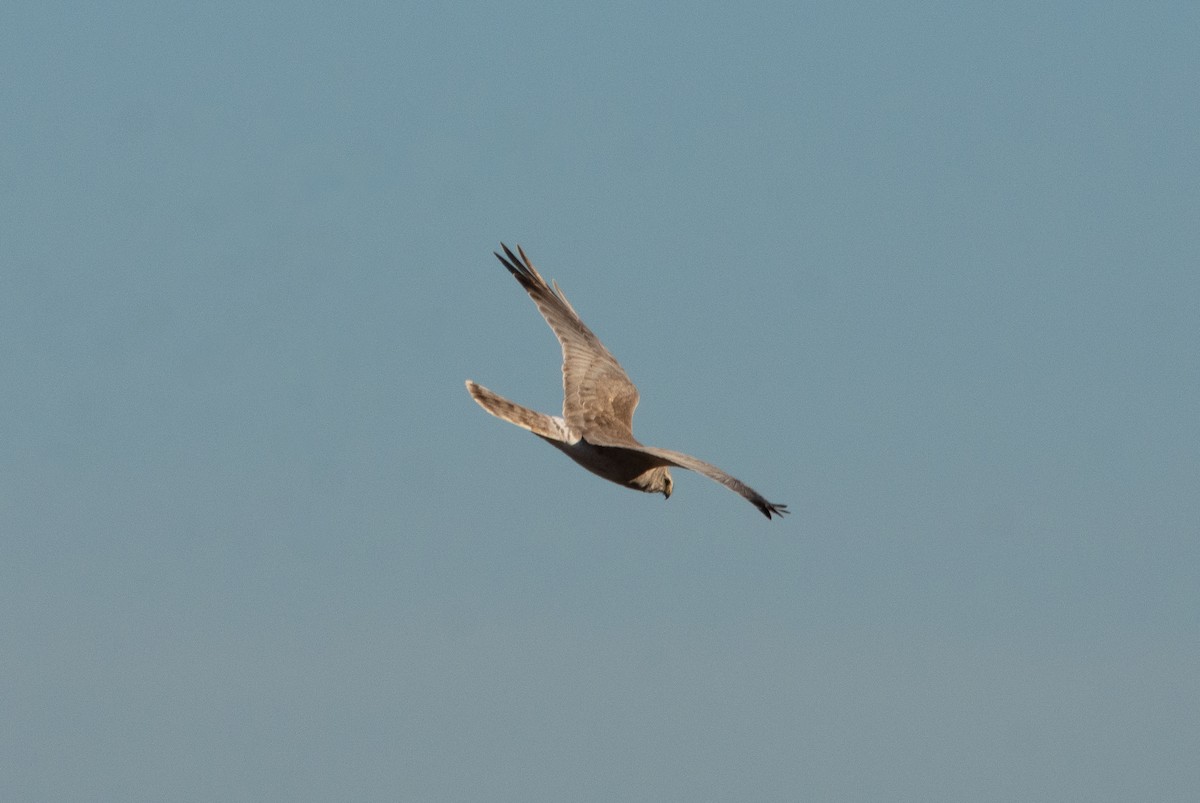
596 427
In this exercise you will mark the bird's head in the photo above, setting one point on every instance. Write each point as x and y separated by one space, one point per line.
655 480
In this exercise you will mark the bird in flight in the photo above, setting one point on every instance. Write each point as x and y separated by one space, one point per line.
596 427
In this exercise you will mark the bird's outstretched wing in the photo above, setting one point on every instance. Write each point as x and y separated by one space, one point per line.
598 397
682 460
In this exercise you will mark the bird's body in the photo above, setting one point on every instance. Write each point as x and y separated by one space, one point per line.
628 467
633 469
596 427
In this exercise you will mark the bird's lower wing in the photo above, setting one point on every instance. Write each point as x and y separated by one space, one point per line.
682 460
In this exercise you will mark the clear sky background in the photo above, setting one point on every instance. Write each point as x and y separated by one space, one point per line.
929 273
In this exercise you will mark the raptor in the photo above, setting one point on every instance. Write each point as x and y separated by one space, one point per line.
596 426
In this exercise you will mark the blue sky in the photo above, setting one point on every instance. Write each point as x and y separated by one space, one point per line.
927 273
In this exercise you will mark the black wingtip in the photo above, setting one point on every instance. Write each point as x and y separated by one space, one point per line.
511 263
515 266
768 508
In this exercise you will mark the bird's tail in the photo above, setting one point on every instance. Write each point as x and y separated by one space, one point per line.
541 424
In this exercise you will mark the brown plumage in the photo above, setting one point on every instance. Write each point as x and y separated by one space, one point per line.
596 427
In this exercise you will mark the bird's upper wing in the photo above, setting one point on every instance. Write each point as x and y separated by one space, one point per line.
598 397
682 460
